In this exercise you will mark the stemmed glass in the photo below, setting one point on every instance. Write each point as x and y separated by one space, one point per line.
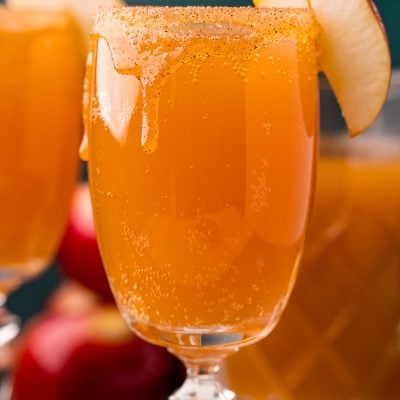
40 91
345 308
202 127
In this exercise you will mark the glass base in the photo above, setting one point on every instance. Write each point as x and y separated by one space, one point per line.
204 387
9 327
228 338
5 388
9 330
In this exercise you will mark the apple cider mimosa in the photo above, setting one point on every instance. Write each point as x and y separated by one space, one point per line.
40 90
201 165
339 337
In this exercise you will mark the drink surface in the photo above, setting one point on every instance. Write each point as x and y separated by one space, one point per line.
201 152
338 338
40 69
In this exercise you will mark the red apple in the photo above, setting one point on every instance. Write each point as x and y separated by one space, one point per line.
91 356
79 254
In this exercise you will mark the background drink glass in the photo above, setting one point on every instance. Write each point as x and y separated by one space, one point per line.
40 96
202 127
338 338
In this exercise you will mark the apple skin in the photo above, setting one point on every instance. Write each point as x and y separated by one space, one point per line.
90 356
79 254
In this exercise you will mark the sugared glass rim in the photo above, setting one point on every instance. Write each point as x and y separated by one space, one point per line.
195 21
134 32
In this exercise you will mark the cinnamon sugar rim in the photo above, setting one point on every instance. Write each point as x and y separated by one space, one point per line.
149 23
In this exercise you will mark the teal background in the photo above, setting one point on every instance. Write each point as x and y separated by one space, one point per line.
390 12
31 297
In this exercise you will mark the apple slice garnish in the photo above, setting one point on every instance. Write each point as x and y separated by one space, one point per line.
354 55
82 10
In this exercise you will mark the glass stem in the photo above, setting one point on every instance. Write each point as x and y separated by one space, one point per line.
9 326
202 383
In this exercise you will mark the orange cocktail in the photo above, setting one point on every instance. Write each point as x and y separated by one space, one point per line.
40 90
201 165
338 338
